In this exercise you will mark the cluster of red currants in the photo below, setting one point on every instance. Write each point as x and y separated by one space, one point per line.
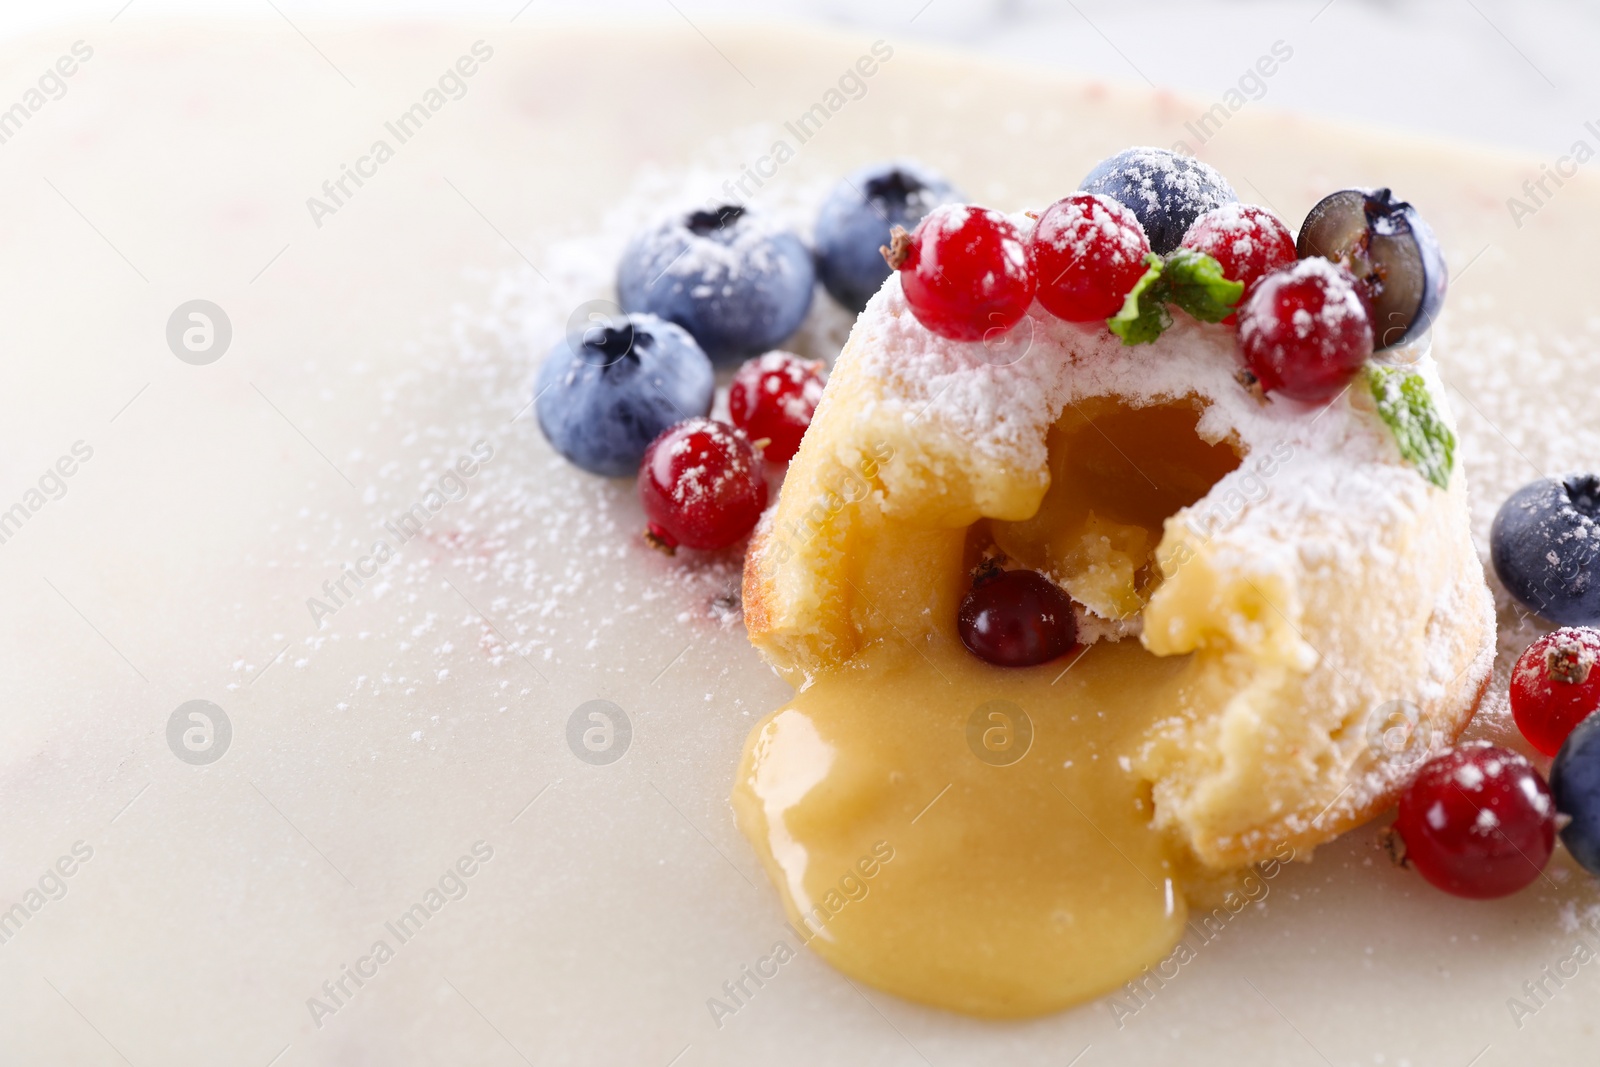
970 274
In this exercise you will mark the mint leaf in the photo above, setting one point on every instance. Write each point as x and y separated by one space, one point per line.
1144 312
1405 403
1194 281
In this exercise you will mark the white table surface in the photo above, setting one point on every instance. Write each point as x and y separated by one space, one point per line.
1517 75
164 190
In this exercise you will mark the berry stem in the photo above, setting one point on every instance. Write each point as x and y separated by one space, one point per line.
660 540
1390 841
899 247
1569 664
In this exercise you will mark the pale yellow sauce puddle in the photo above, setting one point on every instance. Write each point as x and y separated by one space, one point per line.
1000 884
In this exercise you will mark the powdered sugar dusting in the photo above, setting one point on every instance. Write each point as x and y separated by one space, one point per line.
1340 304
734 242
1180 184
999 406
1089 222
552 557
1239 226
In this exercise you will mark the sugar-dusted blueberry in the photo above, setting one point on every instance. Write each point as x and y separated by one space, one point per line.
1545 545
1390 249
1165 190
857 218
603 394
1575 787
739 283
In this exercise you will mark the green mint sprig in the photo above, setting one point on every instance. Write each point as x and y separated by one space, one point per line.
1406 405
1192 280
1144 312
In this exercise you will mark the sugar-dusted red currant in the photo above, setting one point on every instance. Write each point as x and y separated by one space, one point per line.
1249 242
1555 685
1477 821
1088 251
1017 619
966 271
702 485
773 397
1305 331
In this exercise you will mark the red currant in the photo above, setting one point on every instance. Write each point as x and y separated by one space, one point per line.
1478 821
1249 242
1555 685
1017 619
772 398
1089 251
966 272
702 484
1306 331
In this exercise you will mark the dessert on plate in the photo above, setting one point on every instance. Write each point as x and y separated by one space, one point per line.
1122 549
1251 580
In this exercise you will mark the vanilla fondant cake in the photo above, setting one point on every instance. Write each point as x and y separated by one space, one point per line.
1261 585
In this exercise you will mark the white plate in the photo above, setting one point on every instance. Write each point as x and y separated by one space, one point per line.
429 712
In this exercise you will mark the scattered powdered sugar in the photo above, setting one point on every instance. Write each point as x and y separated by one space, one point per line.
552 557
1520 419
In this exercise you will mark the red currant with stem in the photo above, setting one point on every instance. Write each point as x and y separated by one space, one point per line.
773 397
1017 619
702 485
1556 685
966 271
1477 821
1247 241
1088 251
1305 331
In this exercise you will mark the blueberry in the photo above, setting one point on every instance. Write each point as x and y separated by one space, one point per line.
604 394
738 283
1164 190
856 218
1575 787
1545 544
1386 244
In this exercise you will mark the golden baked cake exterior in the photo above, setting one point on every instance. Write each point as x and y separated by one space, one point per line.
1331 599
